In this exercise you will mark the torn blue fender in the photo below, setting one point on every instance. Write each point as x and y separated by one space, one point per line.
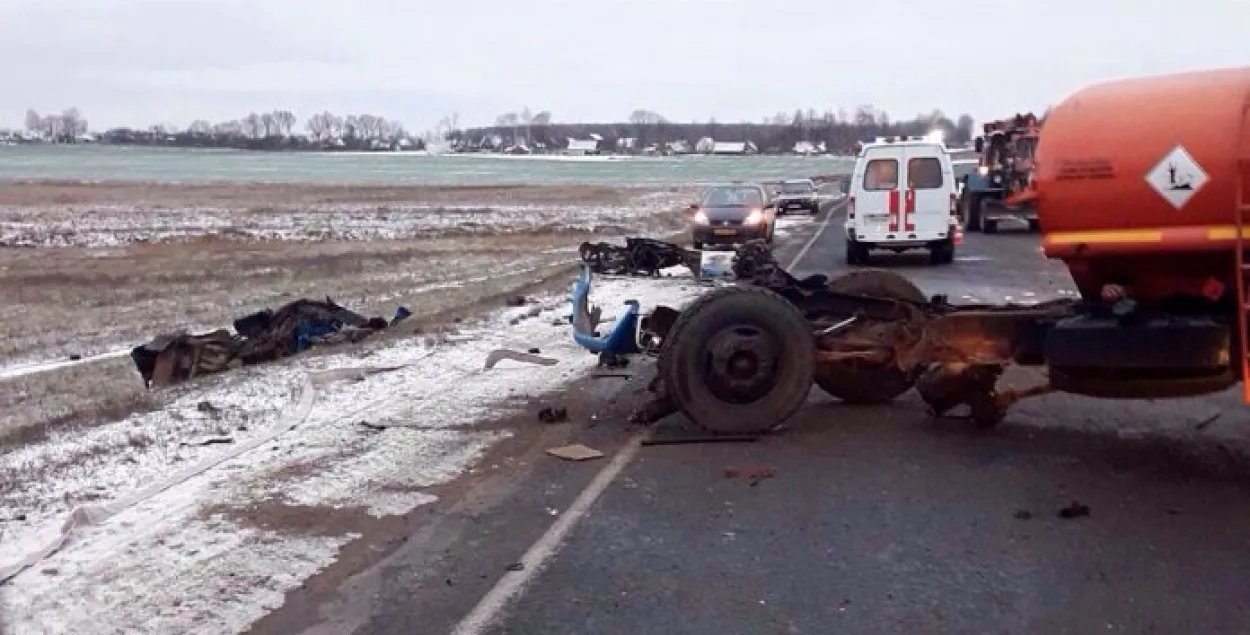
621 339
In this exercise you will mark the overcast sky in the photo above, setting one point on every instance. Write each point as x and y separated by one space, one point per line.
137 62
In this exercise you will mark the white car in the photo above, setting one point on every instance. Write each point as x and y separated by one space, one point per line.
902 197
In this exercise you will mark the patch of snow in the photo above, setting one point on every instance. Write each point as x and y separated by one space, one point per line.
102 226
130 571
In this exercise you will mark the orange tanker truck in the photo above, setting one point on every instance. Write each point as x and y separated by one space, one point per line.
1141 189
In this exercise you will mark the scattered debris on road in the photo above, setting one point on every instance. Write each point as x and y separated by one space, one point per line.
1202 425
515 566
1074 510
501 354
209 441
700 438
1023 514
754 473
575 452
553 415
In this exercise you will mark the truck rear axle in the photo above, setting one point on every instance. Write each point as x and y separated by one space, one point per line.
743 358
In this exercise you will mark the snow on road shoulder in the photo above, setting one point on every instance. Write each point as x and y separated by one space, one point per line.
191 559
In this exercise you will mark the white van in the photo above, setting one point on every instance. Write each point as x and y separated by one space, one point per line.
902 196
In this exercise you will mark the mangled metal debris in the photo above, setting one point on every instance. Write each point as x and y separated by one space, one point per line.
873 333
258 337
639 257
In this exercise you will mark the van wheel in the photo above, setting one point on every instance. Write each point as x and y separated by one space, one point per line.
989 227
942 253
698 245
856 253
1034 225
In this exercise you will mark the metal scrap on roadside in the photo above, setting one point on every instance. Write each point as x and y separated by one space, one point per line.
258 337
638 257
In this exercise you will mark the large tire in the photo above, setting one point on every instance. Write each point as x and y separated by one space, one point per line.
689 355
856 382
971 208
987 226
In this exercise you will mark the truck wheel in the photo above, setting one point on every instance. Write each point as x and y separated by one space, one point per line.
738 360
971 206
987 225
859 382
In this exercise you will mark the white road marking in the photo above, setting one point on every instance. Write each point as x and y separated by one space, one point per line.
513 583
812 241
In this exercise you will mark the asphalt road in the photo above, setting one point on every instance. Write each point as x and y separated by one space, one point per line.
877 520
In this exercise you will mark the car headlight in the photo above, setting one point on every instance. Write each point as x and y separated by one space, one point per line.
983 170
754 218
700 218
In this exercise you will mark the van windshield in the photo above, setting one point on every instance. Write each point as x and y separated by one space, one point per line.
796 188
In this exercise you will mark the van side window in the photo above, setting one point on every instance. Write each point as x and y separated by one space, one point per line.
881 174
924 173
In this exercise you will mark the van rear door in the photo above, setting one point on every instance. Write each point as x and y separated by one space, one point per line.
927 196
878 202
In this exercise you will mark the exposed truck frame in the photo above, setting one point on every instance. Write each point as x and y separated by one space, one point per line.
1000 187
742 359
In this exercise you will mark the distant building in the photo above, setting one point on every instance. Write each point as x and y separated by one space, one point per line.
805 147
681 146
733 147
582 146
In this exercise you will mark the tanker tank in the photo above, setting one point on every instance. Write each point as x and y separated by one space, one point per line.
1137 182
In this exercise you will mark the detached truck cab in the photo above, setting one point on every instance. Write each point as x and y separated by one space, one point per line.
902 196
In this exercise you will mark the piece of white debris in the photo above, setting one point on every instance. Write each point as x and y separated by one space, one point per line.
575 452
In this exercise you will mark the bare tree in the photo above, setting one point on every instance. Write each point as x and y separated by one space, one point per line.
320 126
269 123
351 127
253 126
34 123
286 122
200 128
73 123
865 116
52 127
527 120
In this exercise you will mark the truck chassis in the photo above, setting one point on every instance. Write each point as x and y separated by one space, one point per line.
742 359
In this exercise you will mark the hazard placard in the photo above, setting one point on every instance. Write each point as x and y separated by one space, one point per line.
1177 177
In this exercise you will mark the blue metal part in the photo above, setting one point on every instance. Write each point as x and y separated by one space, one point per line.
621 339
977 182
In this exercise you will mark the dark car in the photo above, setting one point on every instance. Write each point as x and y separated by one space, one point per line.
799 194
732 214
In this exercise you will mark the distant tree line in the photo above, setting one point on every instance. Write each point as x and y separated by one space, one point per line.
839 130
274 130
